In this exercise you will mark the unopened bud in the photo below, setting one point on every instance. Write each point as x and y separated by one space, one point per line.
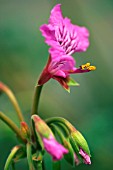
25 130
80 146
41 127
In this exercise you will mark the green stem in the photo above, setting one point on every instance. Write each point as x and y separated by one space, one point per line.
61 136
29 157
58 120
36 99
12 125
10 157
13 100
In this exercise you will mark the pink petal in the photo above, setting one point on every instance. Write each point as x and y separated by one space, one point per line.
48 32
56 15
85 156
55 149
61 64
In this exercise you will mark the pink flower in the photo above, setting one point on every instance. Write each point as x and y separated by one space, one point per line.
64 37
55 149
60 69
85 156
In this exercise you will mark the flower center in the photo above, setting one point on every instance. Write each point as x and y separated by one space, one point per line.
67 39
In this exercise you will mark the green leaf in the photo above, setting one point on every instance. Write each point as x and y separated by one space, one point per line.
72 82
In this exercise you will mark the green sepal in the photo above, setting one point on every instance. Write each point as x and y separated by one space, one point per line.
80 141
67 89
72 82
69 157
75 148
39 141
41 127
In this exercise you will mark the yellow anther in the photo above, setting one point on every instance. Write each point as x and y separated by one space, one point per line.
91 68
85 66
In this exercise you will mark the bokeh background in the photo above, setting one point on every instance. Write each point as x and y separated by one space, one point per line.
23 54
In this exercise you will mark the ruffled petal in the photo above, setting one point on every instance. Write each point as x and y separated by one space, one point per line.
56 16
48 32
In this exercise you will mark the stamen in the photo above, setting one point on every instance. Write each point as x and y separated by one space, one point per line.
91 68
85 66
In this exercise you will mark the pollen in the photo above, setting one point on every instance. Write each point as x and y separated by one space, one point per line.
91 68
85 66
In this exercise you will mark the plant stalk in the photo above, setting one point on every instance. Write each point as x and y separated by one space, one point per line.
36 100
13 100
10 157
12 125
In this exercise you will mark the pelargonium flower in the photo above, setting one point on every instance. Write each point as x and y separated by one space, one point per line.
60 70
54 148
64 39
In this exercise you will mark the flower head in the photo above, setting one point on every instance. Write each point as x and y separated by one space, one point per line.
54 148
64 39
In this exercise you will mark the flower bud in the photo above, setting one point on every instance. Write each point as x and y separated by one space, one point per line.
55 149
25 130
76 139
41 127
80 146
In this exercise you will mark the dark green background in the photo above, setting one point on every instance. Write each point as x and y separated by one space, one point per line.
23 54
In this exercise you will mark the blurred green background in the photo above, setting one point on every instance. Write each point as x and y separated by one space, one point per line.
23 54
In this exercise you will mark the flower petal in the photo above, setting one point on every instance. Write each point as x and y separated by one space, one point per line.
56 16
48 32
85 156
55 149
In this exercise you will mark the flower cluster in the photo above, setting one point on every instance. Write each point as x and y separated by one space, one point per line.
55 135
55 149
64 39
74 146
